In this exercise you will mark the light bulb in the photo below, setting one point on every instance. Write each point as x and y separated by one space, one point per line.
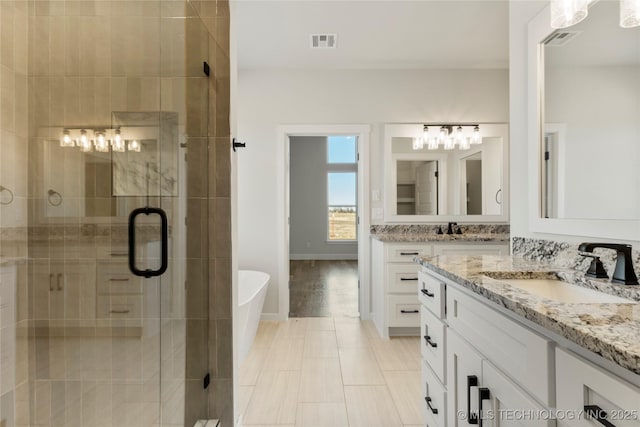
134 145
425 133
418 143
101 143
464 144
83 138
443 134
629 13
84 142
433 143
565 13
476 138
459 135
66 140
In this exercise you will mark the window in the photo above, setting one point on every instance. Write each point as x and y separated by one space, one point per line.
342 188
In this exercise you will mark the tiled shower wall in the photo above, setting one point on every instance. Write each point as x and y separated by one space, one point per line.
14 385
69 62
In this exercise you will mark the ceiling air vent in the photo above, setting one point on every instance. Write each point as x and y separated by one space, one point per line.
323 41
561 38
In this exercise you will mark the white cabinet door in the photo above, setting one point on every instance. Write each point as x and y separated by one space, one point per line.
581 385
464 375
507 404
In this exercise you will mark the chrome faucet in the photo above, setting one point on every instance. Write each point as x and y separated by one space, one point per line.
623 272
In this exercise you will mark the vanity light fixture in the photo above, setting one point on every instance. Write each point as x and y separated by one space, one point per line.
629 13
565 13
102 140
448 137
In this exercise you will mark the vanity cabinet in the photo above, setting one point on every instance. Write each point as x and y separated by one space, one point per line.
522 373
581 385
396 308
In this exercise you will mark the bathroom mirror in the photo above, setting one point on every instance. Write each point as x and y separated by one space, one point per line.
423 185
584 131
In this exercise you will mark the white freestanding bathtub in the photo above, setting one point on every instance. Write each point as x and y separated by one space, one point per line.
252 290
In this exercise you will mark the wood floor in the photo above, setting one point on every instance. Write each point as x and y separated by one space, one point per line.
323 288
330 372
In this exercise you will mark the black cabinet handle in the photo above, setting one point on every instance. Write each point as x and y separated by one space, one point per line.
427 338
472 381
598 414
427 293
431 408
132 242
409 311
409 253
483 394
407 279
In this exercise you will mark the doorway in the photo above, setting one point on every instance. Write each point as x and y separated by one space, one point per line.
361 218
323 235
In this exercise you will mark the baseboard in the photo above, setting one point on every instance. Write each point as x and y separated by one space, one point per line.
272 316
323 257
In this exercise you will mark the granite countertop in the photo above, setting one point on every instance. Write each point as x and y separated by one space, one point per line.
432 237
608 329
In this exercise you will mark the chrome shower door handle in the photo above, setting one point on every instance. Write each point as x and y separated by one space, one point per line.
164 256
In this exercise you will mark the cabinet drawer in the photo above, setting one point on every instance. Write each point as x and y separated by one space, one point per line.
403 310
520 352
119 307
402 278
433 342
114 277
431 293
433 391
405 253
472 249
580 383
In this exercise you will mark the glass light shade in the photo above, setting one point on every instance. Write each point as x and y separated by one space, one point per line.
629 13
433 143
102 145
464 144
449 143
476 138
565 13
425 133
418 143
85 146
459 135
134 145
444 132
117 144
66 140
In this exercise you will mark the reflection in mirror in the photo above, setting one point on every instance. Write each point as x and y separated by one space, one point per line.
590 116
448 182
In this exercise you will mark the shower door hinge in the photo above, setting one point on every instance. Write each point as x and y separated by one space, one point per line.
206 381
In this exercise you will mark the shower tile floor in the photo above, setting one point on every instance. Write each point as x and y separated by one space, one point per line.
333 371
321 288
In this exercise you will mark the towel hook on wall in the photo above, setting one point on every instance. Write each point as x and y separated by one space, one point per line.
3 189
55 198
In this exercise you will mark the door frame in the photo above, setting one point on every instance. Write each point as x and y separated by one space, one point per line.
283 202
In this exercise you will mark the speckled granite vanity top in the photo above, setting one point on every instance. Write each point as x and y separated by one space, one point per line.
415 233
611 330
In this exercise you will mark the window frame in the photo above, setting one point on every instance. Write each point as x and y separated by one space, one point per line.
341 168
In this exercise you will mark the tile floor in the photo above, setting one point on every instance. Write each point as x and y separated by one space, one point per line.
333 372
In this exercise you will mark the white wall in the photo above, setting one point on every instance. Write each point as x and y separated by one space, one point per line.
520 13
308 202
267 99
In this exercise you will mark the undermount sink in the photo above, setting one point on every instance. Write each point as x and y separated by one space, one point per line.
557 290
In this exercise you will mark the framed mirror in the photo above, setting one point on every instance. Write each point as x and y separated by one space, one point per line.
436 185
584 129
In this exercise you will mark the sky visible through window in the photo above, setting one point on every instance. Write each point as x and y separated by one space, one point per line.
342 186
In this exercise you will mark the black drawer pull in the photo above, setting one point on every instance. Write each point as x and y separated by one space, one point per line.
427 338
483 394
433 410
406 279
409 311
113 279
125 311
409 253
472 381
427 293
597 413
